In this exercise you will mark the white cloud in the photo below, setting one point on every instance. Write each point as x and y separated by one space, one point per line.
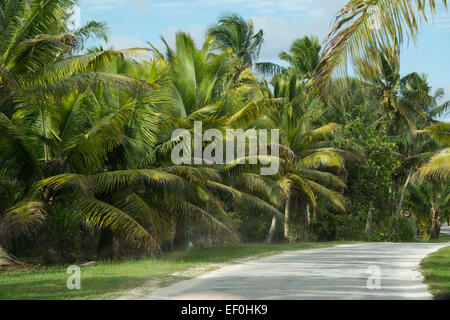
446 116
125 42
102 5
279 32
447 98
258 6
282 20
441 23
198 33
75 19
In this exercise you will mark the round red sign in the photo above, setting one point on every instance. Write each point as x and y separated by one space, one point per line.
407 213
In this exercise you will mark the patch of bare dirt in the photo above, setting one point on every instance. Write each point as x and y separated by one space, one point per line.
9 263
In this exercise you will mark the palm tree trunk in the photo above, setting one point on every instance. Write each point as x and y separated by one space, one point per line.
400 203
44 134
369 222
405 187
273 228
308 214
308 222
287 214
105 249
180 240
435 224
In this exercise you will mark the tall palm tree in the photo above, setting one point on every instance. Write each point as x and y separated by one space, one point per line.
303 56
97 147
416 92
430 200
37 60
200 89
402 100
309 159
235 33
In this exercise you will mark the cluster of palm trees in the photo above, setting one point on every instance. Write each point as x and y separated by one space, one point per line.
89 133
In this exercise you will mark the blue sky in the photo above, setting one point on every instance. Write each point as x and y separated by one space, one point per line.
133 22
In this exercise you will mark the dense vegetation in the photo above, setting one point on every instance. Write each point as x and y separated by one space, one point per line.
86 139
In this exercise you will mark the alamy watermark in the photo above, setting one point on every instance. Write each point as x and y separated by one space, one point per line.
235 146
374 280
74 280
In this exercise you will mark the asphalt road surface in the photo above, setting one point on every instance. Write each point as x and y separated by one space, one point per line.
360 271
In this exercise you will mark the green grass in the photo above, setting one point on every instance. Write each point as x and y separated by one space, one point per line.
443 238
436 270
110 280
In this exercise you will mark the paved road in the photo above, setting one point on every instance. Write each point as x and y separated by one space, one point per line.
330 273
445 230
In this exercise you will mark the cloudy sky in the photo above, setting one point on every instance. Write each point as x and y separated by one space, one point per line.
133 22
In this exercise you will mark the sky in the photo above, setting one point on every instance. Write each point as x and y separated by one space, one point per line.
134 22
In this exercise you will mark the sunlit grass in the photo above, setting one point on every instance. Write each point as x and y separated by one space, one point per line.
436 270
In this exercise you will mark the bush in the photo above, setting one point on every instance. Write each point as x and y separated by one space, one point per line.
351 227
402 230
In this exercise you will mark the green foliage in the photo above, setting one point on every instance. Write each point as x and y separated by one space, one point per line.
402 230
374 182
66 229
351 226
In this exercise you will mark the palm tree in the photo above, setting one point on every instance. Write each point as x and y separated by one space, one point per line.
303 56
403 100
416 92
200 90
430 200
92 140
363 25
36 61
97 149
309 160
233 32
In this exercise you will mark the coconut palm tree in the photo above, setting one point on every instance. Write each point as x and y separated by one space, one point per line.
96 166
303 56
235 33
202 90
53 102
401 99
37 61
430 200
310 162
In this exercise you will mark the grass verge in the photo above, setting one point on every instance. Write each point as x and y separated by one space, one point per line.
112 279
436 270
443 238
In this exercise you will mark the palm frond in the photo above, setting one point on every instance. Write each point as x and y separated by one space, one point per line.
366 24
105 215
